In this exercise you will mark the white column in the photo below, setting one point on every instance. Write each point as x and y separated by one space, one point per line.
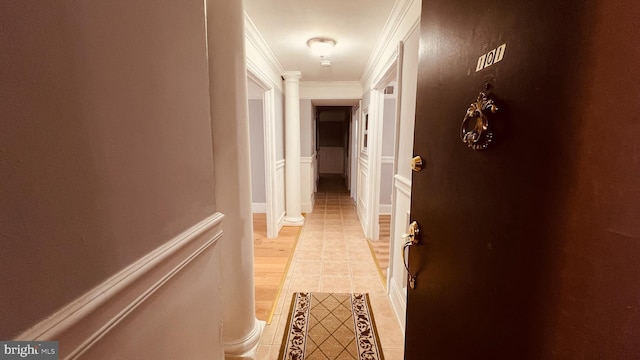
293 215
230 131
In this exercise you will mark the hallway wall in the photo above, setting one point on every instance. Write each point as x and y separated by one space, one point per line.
107 163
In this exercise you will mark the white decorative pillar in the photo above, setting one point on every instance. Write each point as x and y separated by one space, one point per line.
293 215
230 131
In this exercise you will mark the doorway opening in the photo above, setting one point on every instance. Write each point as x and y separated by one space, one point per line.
257 148
332 142
262 126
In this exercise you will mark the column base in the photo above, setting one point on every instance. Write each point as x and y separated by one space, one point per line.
245 349
293 220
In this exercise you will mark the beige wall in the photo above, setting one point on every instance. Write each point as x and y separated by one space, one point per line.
105 143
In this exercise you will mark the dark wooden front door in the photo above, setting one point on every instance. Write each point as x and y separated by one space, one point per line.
529 249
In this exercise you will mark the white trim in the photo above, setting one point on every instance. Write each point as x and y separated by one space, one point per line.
386 159
399 15
402 184
259 208
396 151
375 145
375 165
385 209
364 130
314 178
269 115
362 209
398 114
414 27
398 302
390 71
308 162
355 140
270 140
279 181
84 321
253 37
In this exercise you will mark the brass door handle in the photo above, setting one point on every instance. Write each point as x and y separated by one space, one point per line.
410 239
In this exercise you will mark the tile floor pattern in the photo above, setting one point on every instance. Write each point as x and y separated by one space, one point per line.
333 256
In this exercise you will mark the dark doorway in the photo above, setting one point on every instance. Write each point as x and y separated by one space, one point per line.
332 124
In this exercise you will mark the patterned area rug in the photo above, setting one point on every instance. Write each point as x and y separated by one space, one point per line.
330 326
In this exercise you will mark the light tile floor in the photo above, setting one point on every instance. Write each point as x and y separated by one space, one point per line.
333 256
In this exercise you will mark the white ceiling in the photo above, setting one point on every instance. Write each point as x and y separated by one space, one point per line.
355 25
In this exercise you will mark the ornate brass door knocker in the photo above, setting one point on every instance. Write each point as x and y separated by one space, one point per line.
475 131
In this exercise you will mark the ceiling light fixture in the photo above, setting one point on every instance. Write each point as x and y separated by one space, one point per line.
321 46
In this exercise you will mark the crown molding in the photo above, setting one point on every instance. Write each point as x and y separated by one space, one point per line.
400 14
253 36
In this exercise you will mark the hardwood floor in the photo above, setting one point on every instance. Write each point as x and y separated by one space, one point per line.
272 258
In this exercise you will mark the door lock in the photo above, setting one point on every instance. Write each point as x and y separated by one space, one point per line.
410 239
416 163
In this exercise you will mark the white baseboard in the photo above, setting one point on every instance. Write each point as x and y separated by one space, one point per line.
385 209
398 302
123 300
259 208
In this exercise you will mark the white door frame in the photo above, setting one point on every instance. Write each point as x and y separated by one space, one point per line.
396 152
376 110
354 150
255 75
